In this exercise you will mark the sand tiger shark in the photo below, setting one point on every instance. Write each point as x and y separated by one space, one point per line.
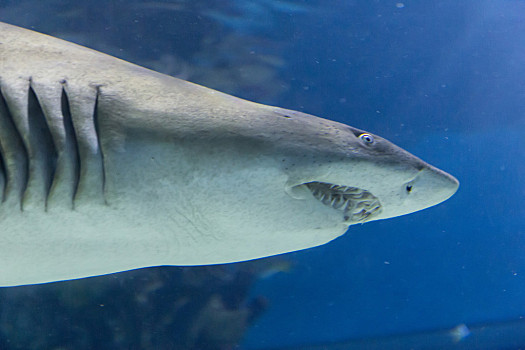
106 166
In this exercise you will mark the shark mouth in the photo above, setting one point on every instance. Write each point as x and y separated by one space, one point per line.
357 205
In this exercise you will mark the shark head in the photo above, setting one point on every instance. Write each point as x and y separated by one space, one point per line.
369 178
274 180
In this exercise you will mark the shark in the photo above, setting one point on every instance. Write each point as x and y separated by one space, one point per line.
106 166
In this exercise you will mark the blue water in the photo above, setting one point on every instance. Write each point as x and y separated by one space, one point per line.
443 79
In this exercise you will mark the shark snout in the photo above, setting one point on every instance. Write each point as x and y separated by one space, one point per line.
431 186
428 187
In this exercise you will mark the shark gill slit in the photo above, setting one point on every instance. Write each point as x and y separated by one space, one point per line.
71 140
81 101
14 156
3 178
3 171
97 132
45 152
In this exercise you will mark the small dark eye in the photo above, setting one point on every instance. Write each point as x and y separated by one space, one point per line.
367 138
409 188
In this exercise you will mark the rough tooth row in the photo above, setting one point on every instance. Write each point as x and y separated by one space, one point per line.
357 204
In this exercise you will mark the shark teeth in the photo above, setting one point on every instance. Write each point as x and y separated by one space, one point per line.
357 205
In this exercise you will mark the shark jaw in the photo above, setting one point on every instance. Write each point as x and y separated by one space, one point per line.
367 190
357 205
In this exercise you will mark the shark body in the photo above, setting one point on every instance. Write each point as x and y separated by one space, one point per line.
106 166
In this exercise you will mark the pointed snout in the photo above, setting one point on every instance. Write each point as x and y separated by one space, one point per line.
432 186
441 184
429 187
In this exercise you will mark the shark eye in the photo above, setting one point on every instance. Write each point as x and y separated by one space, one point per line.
367 138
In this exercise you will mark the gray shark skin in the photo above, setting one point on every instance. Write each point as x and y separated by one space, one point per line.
107 166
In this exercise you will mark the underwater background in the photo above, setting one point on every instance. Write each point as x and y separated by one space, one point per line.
443 79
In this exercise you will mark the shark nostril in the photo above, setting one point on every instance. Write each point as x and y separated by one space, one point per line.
409 188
